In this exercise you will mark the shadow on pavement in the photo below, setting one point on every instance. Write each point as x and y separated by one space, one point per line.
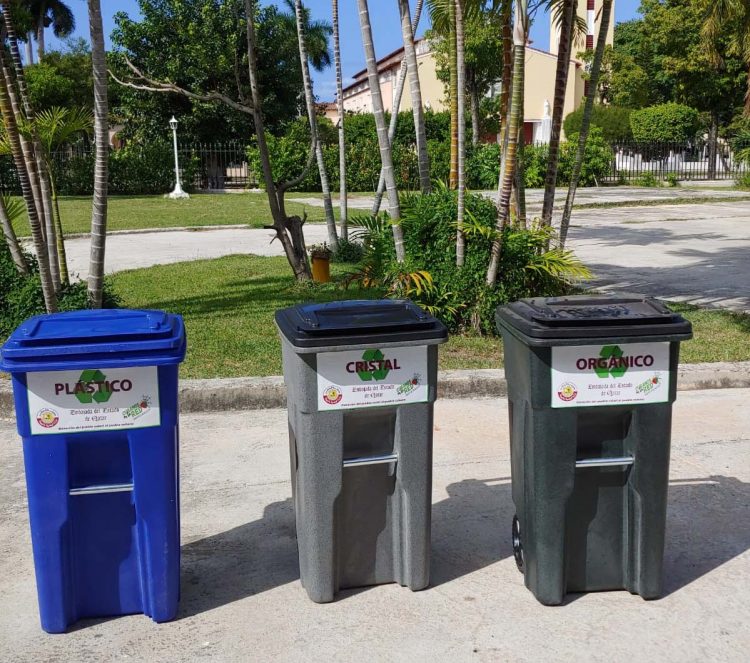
241 562
708 524
471 528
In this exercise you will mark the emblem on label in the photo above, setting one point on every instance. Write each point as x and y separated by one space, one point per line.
333 395
567 392
47 418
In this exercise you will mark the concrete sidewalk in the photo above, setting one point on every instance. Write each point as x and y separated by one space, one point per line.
242 600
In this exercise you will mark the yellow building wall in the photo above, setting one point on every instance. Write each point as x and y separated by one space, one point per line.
432 89
541 69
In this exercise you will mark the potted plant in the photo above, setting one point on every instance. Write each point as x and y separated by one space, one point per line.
321 262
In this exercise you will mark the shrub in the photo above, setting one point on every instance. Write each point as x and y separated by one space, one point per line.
672 179
429 275
647 180
21 296
348 251
666 123
482 166
597 159
614 121
133 170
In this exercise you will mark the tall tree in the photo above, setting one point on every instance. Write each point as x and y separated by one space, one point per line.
398 94
312 116
461 112
567 13
586 123
386 155
505 189
37 229
412 70
288 229
343 198
729 19
101 160
32 151
51 13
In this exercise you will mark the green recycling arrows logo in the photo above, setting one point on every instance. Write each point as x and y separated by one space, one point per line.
102 395
379 373
614 369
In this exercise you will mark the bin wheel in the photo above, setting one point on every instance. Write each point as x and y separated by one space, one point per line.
517 545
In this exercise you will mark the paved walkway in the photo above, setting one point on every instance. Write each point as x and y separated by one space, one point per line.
242 599
696 253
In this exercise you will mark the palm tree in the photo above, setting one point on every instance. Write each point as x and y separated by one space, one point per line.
386 155
507 174
101 160
14 138
400 80
588 110
38 177
55 127
720 15
312 115
566 13
412 70
343 199
461 89
54 14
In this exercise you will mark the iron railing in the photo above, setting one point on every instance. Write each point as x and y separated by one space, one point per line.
220 166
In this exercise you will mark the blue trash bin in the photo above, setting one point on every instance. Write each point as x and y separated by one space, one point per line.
96 405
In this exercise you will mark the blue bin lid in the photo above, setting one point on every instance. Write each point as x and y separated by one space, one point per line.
110 337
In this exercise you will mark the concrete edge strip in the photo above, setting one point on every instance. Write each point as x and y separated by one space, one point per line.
220 394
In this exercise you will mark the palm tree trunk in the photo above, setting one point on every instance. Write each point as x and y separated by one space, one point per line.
507 76
474 97
33 151
312 115
453 94
59 237
520 183
461 102
412 70
101 159
40 40
516 122
30 48
12 240
48 286
343 199
588 110
386 156
400 81
288 230
561 84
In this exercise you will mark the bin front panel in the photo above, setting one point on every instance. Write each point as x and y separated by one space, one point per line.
104 515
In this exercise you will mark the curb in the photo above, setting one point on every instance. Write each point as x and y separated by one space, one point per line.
221 394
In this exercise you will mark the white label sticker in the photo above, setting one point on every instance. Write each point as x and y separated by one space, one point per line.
93 399
372 377
588 375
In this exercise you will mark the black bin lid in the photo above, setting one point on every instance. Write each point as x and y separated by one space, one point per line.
586 316
358 322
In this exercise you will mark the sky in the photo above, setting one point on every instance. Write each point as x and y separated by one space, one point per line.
386 29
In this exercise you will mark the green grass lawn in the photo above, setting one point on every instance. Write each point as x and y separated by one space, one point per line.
228 304
202 209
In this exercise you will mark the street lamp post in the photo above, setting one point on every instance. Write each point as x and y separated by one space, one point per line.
178 192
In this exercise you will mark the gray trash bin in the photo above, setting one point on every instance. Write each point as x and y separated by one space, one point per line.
361 381
591 382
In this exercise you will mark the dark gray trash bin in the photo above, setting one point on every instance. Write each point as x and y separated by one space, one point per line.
591 382
361 381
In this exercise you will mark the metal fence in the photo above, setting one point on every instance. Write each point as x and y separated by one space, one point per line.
684 161
221 166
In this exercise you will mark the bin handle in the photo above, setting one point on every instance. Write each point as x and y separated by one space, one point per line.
370 460
102 489
605 462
